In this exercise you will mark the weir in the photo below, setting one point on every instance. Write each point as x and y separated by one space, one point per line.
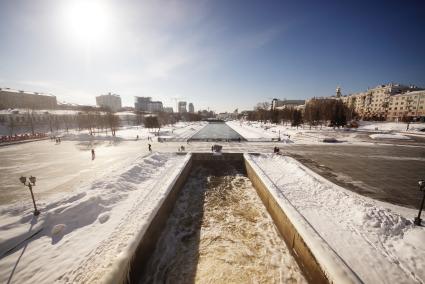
221 223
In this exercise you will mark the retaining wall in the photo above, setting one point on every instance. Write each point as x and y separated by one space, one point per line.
319 263
316 258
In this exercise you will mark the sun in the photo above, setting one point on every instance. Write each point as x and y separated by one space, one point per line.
86 21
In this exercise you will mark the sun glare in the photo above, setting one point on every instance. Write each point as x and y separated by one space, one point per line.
86 20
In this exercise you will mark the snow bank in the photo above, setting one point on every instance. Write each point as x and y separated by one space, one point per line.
390 126
252 130
379 244
78 237
256 131
389 136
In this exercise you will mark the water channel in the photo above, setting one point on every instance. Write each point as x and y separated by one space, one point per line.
220 232
217 131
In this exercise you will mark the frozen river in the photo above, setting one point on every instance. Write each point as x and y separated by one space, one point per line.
220 232
217 131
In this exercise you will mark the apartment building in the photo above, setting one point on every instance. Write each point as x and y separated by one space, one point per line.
10 98
379 102
111 101
146 104
411 105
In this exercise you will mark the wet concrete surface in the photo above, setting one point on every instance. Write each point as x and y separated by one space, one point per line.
385 172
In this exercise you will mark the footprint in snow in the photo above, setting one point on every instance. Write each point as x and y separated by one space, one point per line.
103 218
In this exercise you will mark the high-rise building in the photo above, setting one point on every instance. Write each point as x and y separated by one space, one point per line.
147 105
168 109
155 106
142 103
111 101
182 107
20 99
191 108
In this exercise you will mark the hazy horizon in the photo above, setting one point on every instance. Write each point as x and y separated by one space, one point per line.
217 54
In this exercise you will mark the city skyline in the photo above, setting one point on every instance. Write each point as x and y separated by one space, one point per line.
215 54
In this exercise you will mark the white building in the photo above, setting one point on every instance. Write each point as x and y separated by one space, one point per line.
380 102
111 101
21 99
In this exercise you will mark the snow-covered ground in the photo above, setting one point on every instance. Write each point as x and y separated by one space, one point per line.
390 126
180 130
257 131
389 136
377 240
79 236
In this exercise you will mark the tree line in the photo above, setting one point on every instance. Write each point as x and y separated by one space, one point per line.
94 120
317 112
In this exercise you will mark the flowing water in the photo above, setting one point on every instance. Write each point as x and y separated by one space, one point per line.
220 232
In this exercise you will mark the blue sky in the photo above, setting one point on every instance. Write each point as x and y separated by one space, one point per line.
217 54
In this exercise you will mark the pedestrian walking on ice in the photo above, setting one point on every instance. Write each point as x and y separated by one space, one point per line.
150 147
92 154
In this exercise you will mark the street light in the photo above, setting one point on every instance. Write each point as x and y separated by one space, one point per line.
30 184
418 219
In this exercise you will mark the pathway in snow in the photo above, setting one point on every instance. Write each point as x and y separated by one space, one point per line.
379 244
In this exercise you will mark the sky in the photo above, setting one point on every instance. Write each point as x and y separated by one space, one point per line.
218 54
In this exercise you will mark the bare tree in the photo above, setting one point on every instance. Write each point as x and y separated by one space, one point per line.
113 122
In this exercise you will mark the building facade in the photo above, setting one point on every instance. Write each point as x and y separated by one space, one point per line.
284 104
111 101
20 99
407 105
155 106
182 107
379 102
142 103
146 104
191 108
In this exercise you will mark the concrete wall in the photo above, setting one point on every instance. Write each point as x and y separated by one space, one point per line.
294 241
316 259
147 244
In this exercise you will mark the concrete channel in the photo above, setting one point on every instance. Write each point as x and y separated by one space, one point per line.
314 260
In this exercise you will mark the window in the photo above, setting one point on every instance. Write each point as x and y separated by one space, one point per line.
395 108
401 108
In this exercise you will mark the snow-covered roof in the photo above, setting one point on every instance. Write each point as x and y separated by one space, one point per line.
9 90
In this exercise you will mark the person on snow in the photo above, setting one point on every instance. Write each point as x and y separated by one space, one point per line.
92 154
150 147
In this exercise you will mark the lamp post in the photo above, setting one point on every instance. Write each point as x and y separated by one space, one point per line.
30 184
418 219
